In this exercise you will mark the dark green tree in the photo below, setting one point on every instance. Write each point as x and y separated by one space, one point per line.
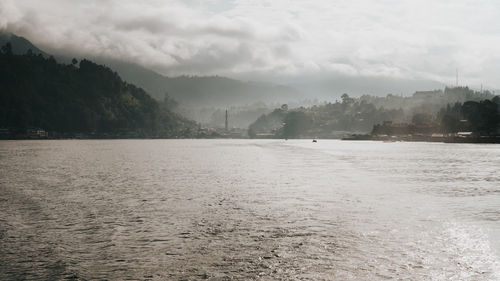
296 123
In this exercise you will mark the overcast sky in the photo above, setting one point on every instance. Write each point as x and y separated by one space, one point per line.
418 39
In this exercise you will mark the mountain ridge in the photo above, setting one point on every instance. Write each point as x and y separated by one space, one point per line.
204 90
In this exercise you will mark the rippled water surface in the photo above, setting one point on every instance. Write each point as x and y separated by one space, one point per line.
248 209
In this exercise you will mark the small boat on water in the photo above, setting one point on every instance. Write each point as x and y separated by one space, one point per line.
314 140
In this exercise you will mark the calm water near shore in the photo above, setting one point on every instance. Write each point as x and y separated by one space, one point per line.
248 209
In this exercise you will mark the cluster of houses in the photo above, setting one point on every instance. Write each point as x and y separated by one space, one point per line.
393 131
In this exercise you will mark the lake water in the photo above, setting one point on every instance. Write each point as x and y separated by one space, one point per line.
248 209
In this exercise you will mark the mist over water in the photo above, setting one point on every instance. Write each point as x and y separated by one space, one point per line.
248 209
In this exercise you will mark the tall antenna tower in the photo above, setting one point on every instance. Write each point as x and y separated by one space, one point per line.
226 122
457 78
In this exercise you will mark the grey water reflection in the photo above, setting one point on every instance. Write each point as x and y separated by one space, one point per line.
248 209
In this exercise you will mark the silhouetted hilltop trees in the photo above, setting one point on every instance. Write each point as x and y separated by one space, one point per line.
19 45
84 98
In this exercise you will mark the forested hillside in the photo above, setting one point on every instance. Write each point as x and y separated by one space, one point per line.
79 98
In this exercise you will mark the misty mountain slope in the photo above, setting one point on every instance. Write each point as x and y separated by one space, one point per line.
20 45
199 91
219 91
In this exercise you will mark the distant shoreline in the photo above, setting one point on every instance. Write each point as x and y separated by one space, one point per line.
442 139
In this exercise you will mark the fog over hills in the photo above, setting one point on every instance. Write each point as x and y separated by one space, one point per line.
334 87
219 91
